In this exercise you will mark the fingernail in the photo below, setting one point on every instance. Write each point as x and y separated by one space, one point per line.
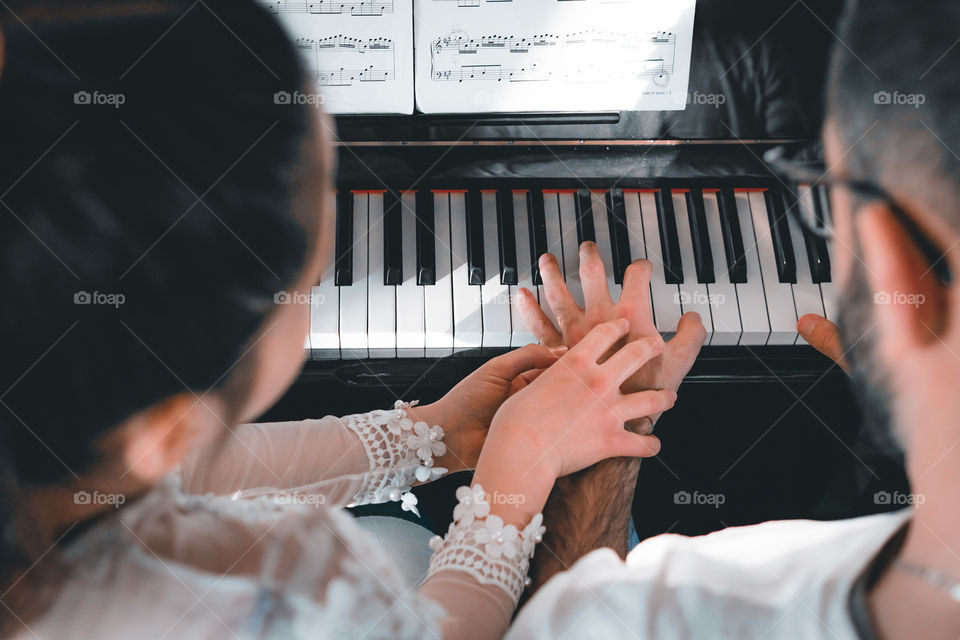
806 324
624 323
654 445
559 351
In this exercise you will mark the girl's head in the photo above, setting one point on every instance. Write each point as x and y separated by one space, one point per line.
157 196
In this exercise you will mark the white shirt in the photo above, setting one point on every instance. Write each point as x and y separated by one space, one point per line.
785 580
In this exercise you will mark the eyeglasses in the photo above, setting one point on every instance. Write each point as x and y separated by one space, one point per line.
815 219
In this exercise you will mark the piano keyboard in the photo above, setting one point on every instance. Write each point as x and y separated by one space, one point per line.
431 273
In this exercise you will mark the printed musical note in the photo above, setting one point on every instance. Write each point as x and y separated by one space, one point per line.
340 60
331 7
359 54
581 57
552 55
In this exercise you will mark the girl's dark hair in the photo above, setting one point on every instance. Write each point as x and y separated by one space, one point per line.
148 169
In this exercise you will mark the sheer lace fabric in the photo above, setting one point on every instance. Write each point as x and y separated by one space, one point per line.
245 541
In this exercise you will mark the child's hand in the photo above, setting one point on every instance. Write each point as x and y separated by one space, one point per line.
466 411
569 418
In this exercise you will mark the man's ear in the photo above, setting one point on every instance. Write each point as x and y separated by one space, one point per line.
157 439
910 301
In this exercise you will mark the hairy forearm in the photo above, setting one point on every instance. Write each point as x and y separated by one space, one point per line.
587 510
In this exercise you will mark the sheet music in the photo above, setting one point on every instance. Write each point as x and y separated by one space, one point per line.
552 55
360 54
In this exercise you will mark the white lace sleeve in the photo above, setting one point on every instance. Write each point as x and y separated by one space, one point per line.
479 544
400 452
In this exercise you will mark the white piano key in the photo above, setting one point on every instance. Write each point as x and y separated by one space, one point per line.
571 248
601 229
494 295
467 314
353 299
551 214
663 296
724 307
693 296
806 293
411 338
829 293
438 298
521 335
780 305
324 338
752 299
638 245
381 299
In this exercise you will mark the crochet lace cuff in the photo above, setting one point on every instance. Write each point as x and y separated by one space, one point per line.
480 545
400 452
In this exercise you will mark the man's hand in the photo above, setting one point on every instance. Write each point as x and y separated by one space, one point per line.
665 372
591 508
823 336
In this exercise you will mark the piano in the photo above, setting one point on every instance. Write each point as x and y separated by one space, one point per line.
434 239
761 418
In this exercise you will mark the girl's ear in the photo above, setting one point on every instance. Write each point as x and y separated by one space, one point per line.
155 441
910 302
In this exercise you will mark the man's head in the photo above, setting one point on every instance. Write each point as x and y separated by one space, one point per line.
893 121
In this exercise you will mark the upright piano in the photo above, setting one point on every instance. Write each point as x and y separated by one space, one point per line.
434 238
439 221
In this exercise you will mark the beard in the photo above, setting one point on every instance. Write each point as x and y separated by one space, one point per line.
870 382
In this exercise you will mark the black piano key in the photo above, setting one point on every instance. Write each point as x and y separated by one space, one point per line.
475 260
780 235
426 247
538 231
619 234
392 240
343 269
507 235
699 236
821 205
817 251
669 239
818 256
584 204
732 236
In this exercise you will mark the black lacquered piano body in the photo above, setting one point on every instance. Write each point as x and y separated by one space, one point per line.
767 271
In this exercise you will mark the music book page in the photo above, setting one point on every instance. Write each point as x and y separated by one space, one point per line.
360 54
552 55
